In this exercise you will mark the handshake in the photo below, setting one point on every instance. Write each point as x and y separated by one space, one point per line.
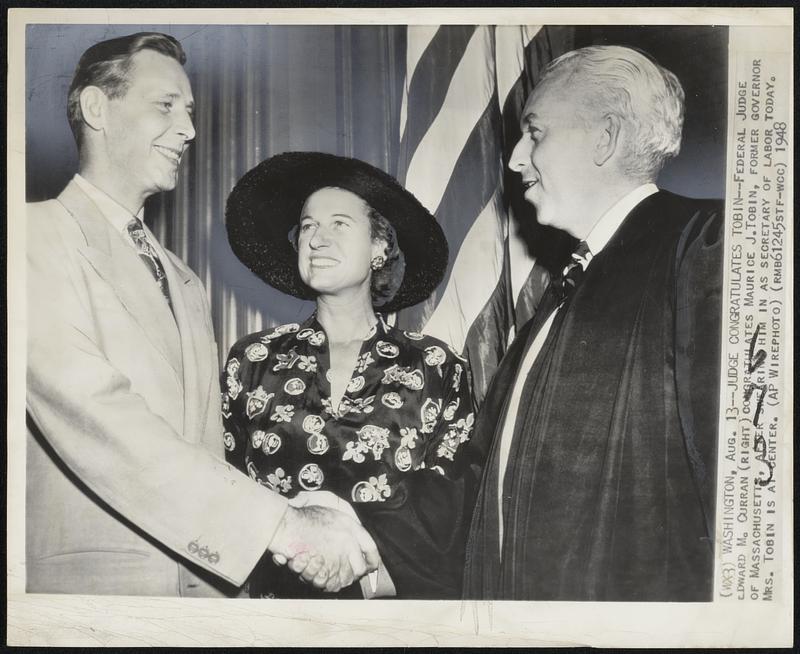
321 539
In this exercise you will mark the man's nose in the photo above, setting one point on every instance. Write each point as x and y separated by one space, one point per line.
184 125
521 155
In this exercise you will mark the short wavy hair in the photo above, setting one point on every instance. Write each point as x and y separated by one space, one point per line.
107 65
629 84
386 281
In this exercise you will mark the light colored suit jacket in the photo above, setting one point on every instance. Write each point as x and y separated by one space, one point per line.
127 489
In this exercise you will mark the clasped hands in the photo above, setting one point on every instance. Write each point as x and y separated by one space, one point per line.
321 539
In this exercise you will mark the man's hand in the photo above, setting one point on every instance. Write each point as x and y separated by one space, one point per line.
324 546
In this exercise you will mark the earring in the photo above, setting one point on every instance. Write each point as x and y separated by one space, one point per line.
377 262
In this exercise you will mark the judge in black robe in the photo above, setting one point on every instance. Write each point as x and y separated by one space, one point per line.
608 482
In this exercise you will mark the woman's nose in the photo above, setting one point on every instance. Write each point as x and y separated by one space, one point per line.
521 155
319 238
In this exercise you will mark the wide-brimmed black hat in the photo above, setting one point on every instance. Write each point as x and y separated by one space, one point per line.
266 203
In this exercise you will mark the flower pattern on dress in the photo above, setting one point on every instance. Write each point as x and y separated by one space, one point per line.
311 477
295 386
283 413
355 451
272 443
316 339
313 423
232 367
257 438
376 489
392 400
228 440
402 459
256 352
226 406
257 402
348 405
387 350
279 481
364 362
457 433
408 437
234 386
450 409
457 370
429 413
286 361
406 376
375 438
434 356
308 363
355 384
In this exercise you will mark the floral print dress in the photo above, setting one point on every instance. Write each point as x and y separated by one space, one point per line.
396 447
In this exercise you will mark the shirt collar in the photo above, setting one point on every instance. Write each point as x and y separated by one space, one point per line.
114 212
608 224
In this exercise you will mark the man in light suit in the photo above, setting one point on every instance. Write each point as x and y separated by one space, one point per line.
127 489
601 422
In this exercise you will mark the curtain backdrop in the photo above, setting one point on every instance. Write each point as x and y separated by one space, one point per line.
259 90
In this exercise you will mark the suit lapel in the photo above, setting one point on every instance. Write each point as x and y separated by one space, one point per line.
199 365
119 265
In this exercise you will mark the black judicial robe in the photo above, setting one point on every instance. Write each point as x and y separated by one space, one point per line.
609 492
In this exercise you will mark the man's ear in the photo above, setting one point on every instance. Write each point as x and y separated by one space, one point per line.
94 107
608 140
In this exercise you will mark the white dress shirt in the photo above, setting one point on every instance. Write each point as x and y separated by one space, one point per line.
112 210
597 239
118 216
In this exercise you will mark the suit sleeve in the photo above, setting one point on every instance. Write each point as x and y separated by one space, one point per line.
698 324
177 492
421 530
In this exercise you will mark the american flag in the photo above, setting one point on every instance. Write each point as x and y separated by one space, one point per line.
464 91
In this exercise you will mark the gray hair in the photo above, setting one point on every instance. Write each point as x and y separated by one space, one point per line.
645 96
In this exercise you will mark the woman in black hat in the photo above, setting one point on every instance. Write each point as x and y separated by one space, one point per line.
344 404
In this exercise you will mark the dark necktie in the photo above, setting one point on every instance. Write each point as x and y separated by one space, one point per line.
148 254
573 272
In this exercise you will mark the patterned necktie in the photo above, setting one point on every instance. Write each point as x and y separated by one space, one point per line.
148 254
573 272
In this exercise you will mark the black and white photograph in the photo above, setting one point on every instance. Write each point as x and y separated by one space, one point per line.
356 310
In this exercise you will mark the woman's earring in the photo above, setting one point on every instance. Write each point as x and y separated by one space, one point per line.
377 262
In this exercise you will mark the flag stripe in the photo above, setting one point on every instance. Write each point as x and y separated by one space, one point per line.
417 40
429 82
468 94
463 199
462 299
486 341
474 164
512 42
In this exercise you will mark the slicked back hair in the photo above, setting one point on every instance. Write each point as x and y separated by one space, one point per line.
107 65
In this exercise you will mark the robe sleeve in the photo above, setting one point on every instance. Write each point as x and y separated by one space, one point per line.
421 529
